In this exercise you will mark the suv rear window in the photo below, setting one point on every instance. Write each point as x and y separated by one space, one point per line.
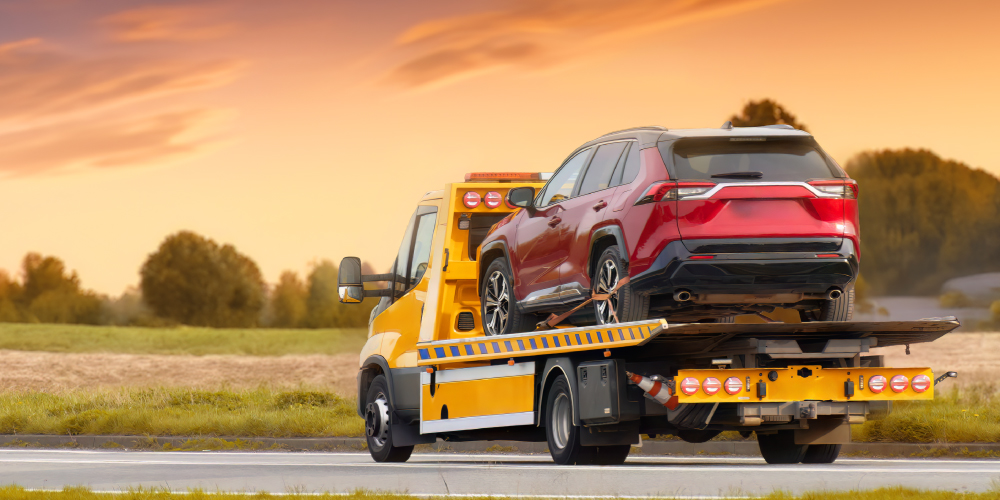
750 159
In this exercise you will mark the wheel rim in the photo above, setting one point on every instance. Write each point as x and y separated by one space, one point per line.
497 304
561 421
607 279
377 420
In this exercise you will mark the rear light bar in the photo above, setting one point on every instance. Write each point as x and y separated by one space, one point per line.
504 176
690 385
671 191
876 384
492 199
471 199
921 383
711 385
734 385
899 383
847 189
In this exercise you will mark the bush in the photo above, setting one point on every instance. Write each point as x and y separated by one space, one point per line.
195 281
955 299
49 294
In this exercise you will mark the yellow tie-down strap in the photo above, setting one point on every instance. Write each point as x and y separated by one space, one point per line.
805 382
538 343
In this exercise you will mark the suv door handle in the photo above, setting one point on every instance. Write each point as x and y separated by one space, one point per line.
553 222
601 205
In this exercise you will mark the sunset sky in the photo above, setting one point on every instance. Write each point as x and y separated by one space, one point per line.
309 129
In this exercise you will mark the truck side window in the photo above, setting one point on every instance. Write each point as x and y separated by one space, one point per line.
424 237
403 258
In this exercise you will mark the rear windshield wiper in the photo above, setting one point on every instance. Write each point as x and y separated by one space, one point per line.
741 175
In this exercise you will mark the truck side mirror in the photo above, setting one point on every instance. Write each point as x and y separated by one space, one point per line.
349 283
521 197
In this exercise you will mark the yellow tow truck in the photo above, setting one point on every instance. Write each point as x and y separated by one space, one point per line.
428 371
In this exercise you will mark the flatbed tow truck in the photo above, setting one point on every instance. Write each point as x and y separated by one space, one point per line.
429 372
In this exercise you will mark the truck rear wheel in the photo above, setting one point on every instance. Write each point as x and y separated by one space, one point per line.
500 313
378 428
625 304
780 447
563 436
822 453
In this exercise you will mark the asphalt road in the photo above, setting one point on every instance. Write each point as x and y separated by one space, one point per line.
466 474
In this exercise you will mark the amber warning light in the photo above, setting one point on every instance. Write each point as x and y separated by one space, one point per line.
505 176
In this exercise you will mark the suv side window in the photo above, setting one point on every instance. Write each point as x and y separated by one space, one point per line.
560 187
601 168
631 165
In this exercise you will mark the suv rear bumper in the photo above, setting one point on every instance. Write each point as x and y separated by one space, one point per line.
785 272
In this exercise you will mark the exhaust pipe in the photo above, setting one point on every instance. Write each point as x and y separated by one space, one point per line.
682 295
834 294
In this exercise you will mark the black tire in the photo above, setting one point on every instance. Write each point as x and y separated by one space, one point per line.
378 432
498 308
611 455
628 305
780 447
839 309
562 435
696 435
822 453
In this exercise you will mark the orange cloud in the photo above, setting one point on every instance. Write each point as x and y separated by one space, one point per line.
541 33
166 23
39 81
89 144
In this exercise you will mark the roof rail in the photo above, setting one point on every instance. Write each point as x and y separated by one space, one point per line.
648 127
781 126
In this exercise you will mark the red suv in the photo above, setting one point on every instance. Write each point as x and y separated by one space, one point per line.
706 224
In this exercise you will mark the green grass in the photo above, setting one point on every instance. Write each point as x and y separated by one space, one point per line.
179 340
79 493
259 412
966 415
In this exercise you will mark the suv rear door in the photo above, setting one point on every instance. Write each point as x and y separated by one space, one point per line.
756 187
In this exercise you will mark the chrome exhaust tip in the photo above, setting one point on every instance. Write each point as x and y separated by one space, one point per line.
834 294
682 295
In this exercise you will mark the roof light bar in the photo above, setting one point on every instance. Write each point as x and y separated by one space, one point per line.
503 176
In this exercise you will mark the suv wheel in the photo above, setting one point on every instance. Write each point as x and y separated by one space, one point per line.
839 309
378 430
623 304
499 308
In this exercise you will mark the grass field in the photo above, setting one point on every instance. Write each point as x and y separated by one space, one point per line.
18 493
180 340
181 412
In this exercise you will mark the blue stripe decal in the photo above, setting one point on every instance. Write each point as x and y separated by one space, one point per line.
507 344
578 341
589 340
520 345
468 350
482 348
630 332
555 340
425 354
611 336
496 348
568 341
545 343
455 351
533 344
599 337
439 352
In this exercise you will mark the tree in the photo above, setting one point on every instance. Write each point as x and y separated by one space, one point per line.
48 294
765 112
289 301
195 281
924 220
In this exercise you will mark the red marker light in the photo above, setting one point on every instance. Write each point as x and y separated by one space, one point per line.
711 385
876 384
921 383
899 383
492 199
733 385
471 199
702 257
689 386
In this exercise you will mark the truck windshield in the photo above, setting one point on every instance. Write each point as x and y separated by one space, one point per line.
751 159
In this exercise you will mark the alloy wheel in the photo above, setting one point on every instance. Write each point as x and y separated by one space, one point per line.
497 304
607 279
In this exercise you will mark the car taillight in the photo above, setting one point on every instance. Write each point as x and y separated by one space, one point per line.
492 199
921 383
689 386
841 189
471 199
671 191
899 383
711 385
876 384
733 385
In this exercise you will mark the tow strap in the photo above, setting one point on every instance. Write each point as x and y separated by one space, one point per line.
554 320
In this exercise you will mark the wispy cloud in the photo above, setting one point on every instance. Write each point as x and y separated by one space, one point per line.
39 81
540 34
167 23
110 143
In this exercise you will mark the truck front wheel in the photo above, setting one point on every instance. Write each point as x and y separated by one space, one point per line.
378 428
780 447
